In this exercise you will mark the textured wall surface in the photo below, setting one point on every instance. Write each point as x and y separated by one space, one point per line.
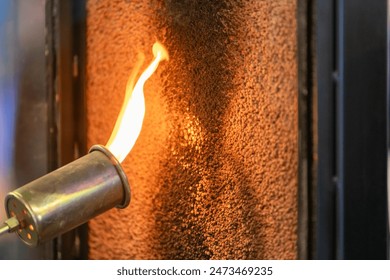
214 171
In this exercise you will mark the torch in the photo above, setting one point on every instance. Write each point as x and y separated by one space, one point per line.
75 193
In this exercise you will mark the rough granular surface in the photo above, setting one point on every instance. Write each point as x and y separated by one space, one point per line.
214 171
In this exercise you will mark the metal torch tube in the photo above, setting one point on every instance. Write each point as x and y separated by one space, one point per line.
69 196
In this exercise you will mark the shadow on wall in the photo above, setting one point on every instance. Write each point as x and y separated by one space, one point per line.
205 194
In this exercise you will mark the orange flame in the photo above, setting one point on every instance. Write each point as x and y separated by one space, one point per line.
129 123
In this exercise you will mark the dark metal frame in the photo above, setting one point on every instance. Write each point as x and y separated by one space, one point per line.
306 129
66 44
349 96
362 131
325 227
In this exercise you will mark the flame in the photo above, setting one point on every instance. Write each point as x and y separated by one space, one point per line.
129 123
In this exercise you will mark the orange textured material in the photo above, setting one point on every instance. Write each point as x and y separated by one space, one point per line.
214 171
